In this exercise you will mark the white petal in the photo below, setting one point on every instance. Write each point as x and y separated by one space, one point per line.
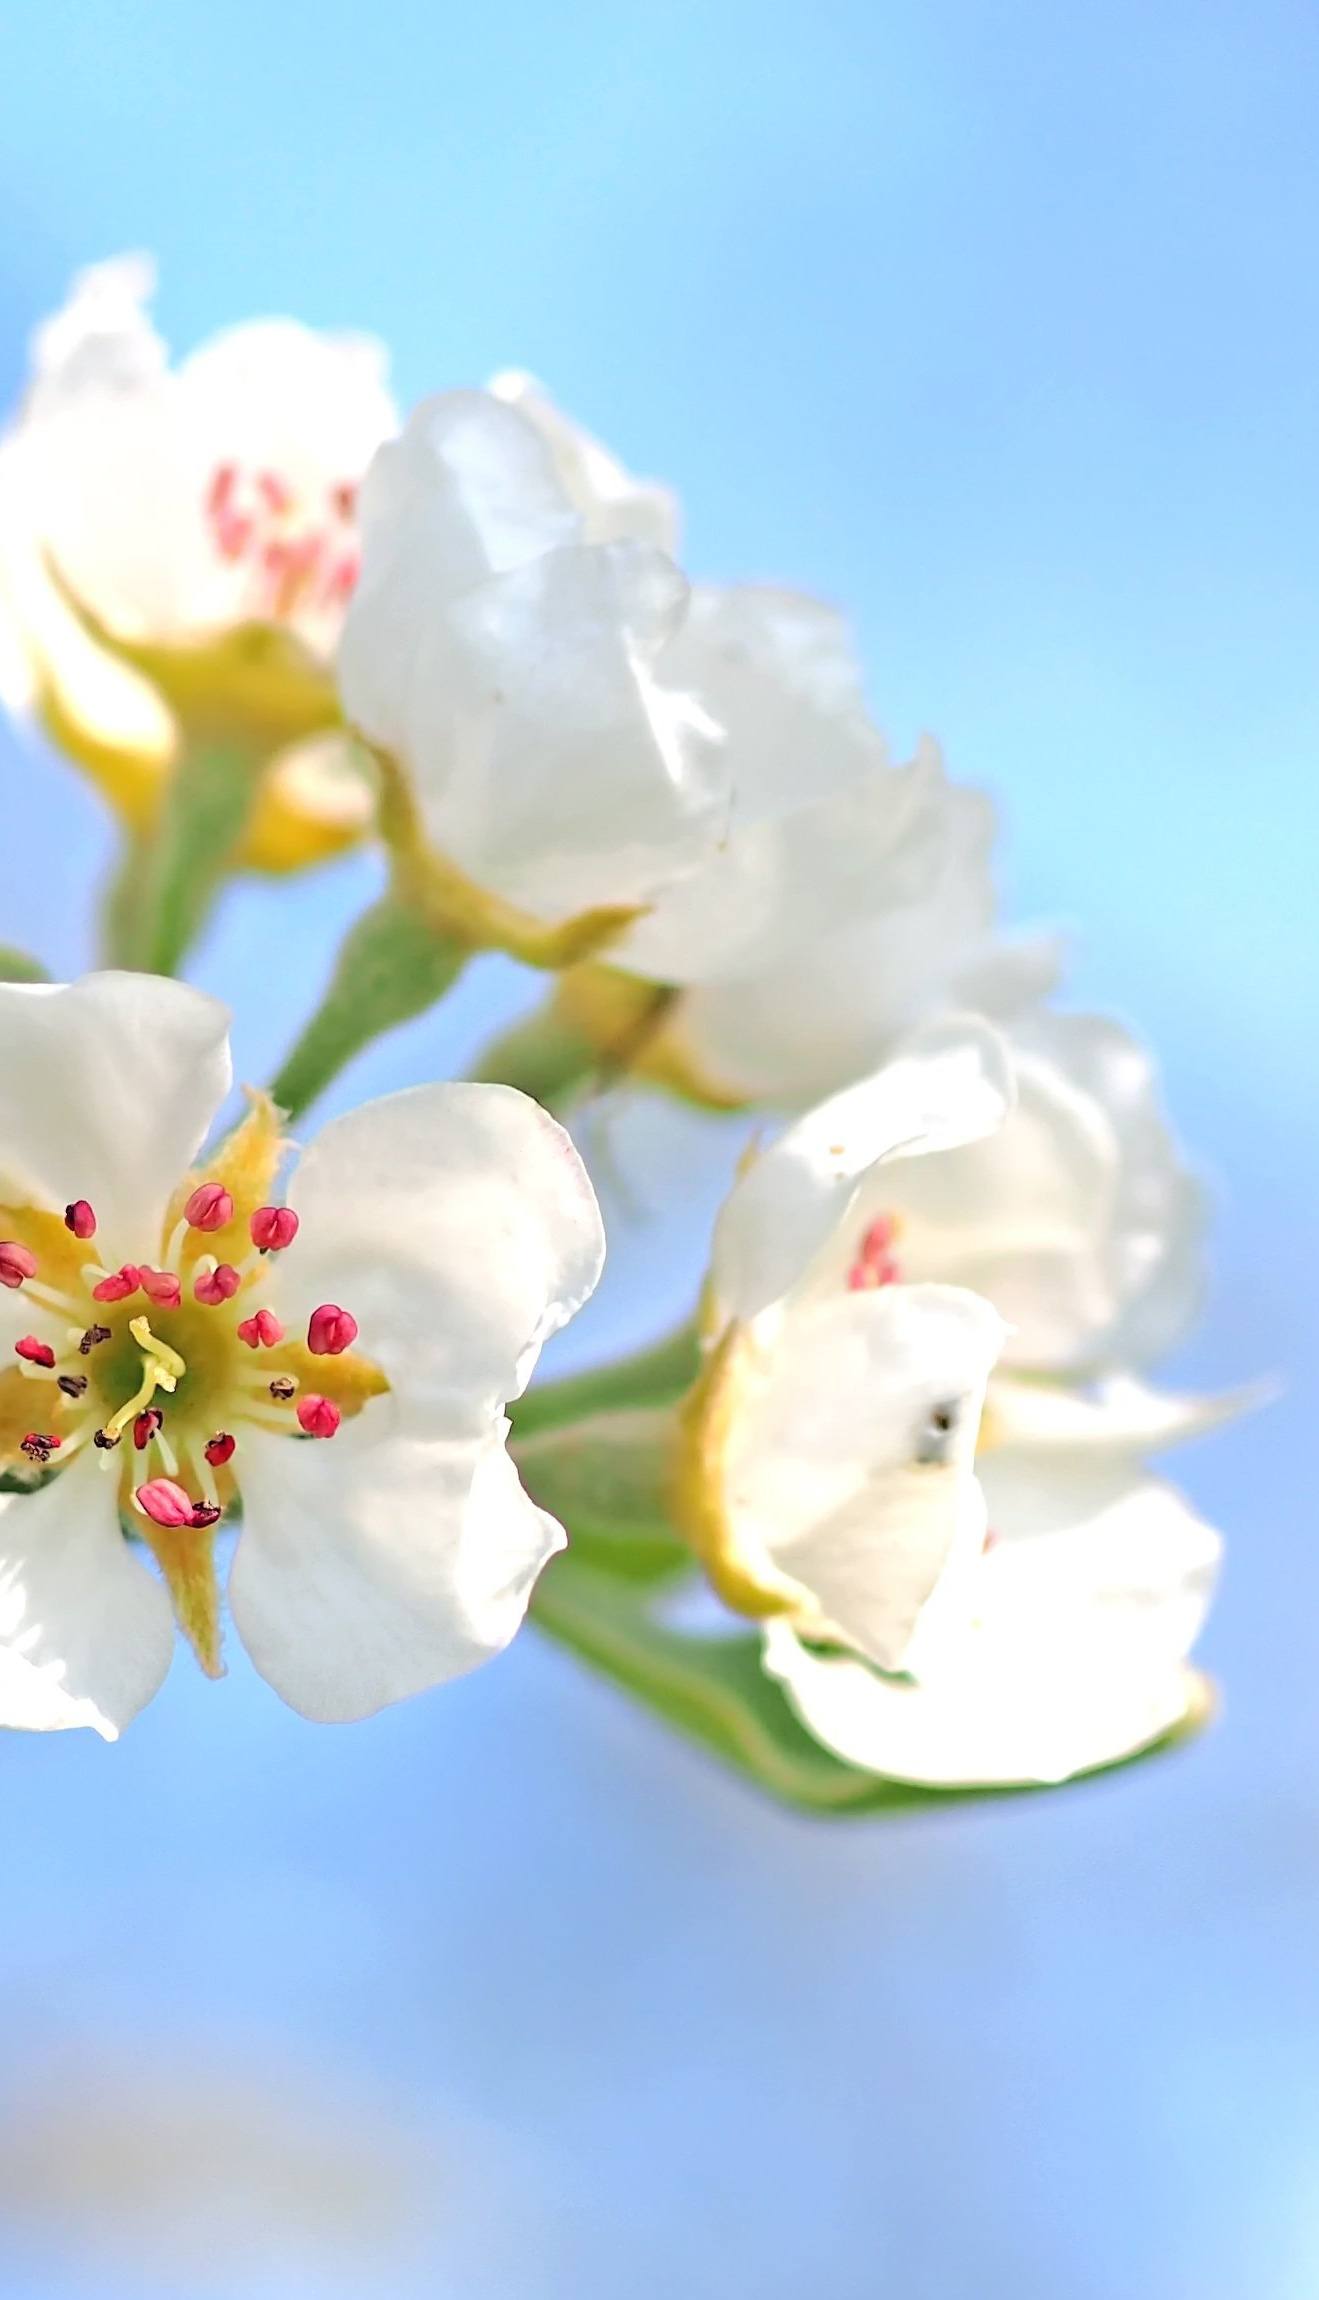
952 1086
547 758
1087 1612
376 1564
613 504
992 1730
836 1009
86 1631
459 1227
1119 1414
110 1085
852 1460
468 490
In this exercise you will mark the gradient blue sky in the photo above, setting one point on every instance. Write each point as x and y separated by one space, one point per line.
1001 325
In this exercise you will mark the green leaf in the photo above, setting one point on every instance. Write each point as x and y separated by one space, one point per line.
714 1691
391 966
606 1476
656 1376
16 966
544 1055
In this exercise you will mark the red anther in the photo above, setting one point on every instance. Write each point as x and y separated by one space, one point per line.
276 491
117 1288
164 1502
145 1427
80 1218
37 1353
16 1263
330 1331
209 1207
320 1417
161 1287
39 1445
221 488
273 1228
874 1264
206 1513
220 1448
218 1285
261 1331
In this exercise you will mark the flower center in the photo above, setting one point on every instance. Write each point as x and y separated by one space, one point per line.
301 552
167 1367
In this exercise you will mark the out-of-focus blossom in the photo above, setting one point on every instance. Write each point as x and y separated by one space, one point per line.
201 515
175 1349
508 665
1014 1598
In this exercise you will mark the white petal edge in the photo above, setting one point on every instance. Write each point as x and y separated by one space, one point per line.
951 1085
458 1224
1078 1659
86 1630
378 1564
111 1083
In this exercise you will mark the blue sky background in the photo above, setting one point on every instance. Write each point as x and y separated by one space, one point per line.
1001 325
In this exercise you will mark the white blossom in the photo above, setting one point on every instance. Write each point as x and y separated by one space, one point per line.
175 502
509 663
184 1342
1015 1599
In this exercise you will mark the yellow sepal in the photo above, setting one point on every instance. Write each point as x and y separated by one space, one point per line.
460 911
740 1571
636 1028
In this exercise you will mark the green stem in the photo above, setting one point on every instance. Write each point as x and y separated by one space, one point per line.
391 967
653 1376
545 1055
163 893
18 966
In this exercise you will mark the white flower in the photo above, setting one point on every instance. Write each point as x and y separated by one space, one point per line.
916 940
822 827
182 1340
508 662
868 1260
175 503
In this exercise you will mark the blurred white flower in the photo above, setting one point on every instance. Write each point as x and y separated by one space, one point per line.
509 664
176 504
914 940
863 1269
174 1333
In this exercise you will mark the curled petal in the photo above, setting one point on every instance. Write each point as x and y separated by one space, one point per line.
111 1083
383 1564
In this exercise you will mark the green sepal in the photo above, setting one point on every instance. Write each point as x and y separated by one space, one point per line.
392 966
606 1476
713 1690
17 966
545 1055
654 1376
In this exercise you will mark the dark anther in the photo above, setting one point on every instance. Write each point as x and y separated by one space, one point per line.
106 1439
72 1385
93 1335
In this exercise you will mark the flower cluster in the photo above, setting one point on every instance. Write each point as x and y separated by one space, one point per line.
907 1444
